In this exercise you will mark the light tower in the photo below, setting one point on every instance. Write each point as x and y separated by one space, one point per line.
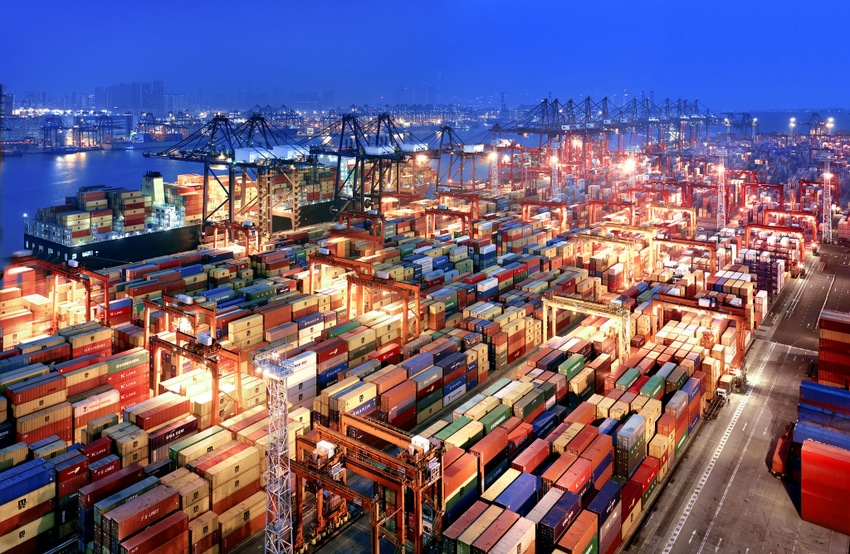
721 195
279 539
827 207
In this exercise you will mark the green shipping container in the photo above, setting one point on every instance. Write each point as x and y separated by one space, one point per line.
627 379
571 366
676 380
452 428
495 417
496 386
528 403
653 388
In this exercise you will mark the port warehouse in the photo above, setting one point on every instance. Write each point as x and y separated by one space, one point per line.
559 433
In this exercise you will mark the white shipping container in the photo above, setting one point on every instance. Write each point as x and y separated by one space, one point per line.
96 402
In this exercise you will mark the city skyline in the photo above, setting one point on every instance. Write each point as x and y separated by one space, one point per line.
727 55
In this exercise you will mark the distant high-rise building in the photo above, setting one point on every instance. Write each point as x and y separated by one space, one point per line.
7 102
158 98
147 98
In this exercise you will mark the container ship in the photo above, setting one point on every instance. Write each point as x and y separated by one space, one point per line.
518 388
104 226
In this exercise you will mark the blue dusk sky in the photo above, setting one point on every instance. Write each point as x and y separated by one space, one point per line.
730 55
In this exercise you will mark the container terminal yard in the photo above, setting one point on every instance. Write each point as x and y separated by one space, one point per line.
598 330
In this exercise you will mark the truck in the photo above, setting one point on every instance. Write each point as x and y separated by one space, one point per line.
779 459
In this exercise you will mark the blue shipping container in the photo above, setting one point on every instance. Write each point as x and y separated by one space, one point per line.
521 495
605 501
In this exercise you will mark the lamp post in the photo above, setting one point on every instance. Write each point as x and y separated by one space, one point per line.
791 125
755 127
830 123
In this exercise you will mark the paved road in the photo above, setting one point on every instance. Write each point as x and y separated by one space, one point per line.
722 497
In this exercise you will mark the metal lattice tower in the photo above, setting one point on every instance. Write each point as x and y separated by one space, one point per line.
721 195
827 207
279 532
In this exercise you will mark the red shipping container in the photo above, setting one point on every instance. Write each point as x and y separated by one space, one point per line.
329 349
583 439
646 473
26 514
519 436
510 424
459 473
490 446
97 449
577 477
130 475
584 413
580 534
557 470
131 383
532 457
36 388
596 452
158 534
630 498
105 470
57 353
73 484
103 347
241 494
232 540
156 416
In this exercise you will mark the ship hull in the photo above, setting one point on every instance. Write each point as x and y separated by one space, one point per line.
311 214
98 255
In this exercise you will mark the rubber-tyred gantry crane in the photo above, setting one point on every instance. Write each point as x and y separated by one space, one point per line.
789 231
326 259
619 315
418 468
73 272
206 356
685 210
431 215
356 284
527 204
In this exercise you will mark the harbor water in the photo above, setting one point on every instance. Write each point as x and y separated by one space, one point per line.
36 181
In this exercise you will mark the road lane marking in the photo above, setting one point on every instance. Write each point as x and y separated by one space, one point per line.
743 451
744 428
716 548
692 536
726 434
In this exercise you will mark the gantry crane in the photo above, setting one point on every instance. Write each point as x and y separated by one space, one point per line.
780 230
279 536
619 315
373 230
780 188
325 258
205 355
527 204
356 284
73 272
594 205
826 229
431 215
471 198
191 315
418 468
631 247
648 234
710 247
246 229
738 315
689 211
784 214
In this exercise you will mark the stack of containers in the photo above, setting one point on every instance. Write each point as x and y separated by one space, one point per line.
825 494
833 357
27 495
631 446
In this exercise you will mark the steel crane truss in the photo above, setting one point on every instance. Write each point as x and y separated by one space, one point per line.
738 315
76 274
413 469
527 204
790 231
620 315
208 357
784 214
632 247
594 205
279 533
355 266
356 284
690 212
431 215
